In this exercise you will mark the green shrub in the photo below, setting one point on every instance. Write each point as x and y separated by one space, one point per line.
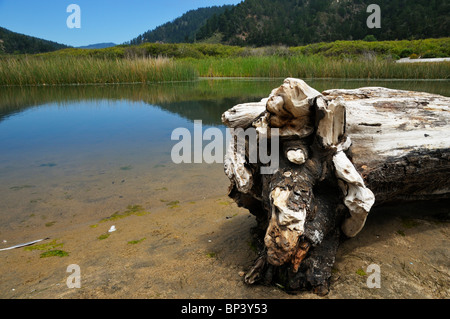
429 54
369 38
404 53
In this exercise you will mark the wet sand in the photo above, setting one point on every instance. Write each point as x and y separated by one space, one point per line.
200 246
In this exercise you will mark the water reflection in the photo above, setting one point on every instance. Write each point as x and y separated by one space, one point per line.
203 99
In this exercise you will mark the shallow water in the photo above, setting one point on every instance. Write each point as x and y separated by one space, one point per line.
76 154
72 156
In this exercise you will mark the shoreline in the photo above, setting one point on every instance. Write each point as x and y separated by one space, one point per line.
205 78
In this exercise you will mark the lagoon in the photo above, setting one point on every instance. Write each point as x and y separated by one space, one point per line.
83 152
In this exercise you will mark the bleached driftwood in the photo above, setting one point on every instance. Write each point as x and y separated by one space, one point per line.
401 141
341 152
242 115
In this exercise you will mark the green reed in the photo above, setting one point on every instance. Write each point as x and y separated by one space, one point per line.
82 70
59 70
317 67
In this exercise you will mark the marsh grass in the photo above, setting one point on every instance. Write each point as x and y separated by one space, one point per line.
318 67
58 70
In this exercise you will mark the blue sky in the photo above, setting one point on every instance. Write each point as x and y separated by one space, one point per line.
101 20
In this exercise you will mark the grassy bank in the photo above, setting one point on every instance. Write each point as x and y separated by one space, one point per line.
151 62
427 48
54 70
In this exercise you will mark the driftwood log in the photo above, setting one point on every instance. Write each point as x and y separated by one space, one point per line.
340 153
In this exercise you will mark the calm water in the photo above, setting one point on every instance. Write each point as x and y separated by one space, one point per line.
80 153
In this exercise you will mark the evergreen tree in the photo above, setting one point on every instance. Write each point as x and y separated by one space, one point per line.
184 28
299 22
12 42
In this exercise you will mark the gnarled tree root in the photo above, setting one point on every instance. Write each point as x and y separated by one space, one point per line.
324 184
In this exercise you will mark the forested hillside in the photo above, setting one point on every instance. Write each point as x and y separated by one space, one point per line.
12 42
182 29
300 22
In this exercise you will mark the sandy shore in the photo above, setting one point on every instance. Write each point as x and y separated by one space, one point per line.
408 60
200 249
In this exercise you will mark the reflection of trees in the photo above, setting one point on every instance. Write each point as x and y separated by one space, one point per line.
193 100
204 99
209 111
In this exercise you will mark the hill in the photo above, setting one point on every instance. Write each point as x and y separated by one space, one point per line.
98 46
12 42
182 29
300 22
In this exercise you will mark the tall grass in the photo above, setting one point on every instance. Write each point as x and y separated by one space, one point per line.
83 70
317 67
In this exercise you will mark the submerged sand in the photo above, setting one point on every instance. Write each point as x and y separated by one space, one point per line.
198 246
